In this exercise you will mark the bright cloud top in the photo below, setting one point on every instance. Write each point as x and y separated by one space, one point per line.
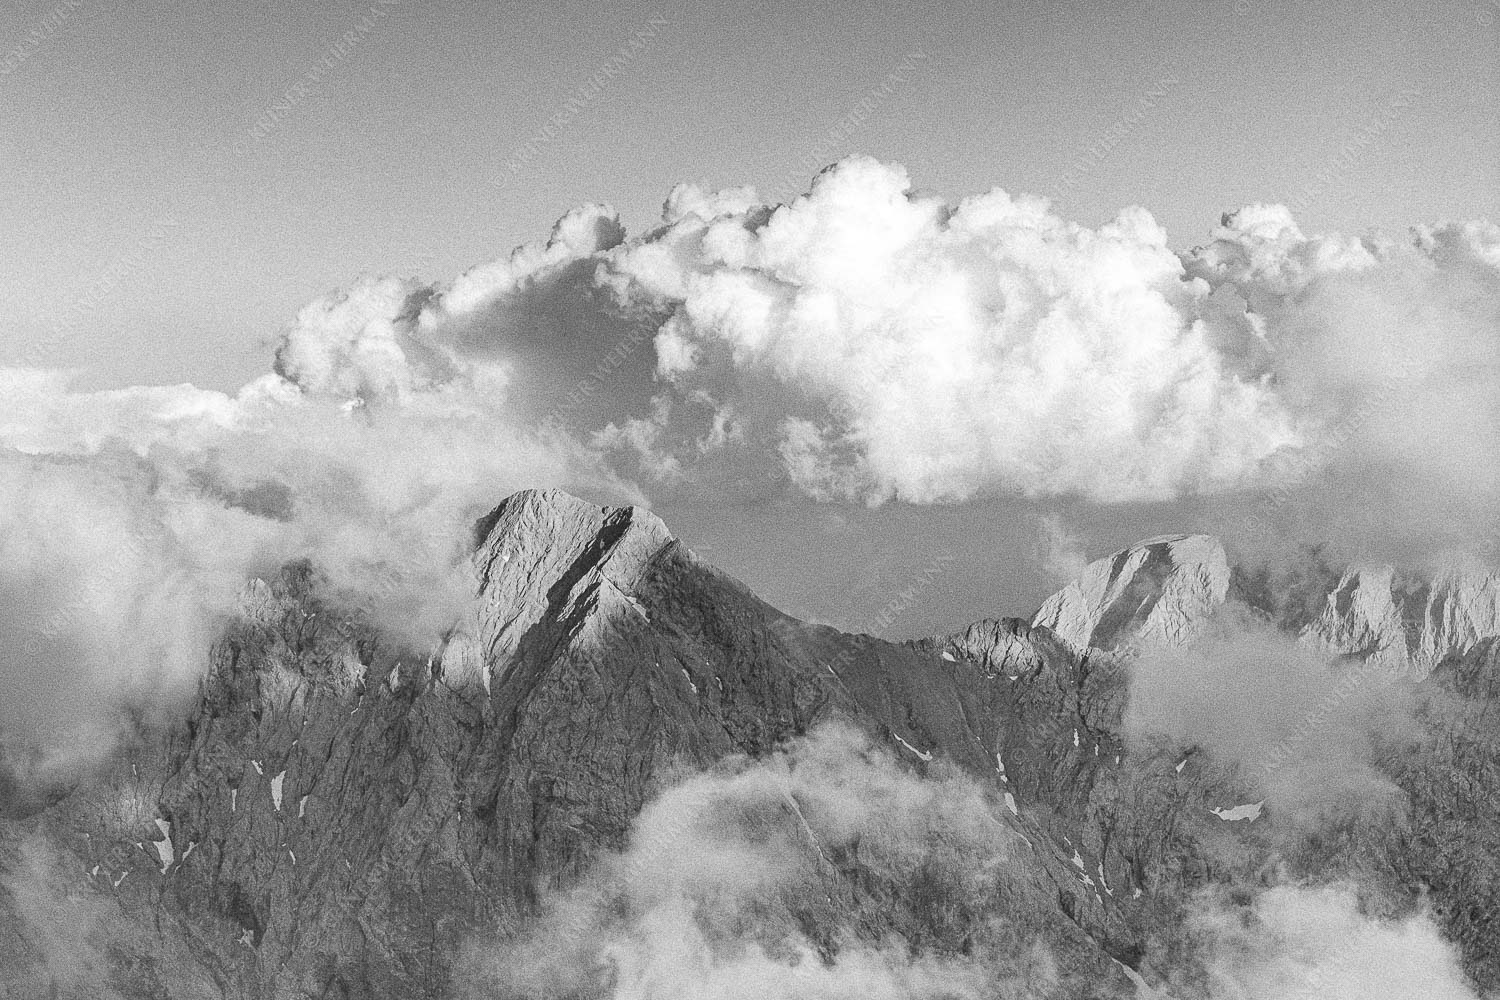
934 352
869 343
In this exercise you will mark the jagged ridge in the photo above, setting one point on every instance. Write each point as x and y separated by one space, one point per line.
343 815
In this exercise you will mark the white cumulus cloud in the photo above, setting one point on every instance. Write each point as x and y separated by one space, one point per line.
891 345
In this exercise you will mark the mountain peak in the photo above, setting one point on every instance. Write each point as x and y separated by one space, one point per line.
553 527
1155 591
546 553
1407 625
556 513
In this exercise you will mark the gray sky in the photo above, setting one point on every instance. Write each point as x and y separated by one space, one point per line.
124 149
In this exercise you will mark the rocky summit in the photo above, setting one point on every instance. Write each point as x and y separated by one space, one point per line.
1408 626
1164 590
339 815
1157 591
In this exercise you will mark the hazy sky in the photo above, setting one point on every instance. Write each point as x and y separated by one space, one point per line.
181 178
130 185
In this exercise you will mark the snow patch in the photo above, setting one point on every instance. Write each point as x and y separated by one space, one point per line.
1142 988
1010 803
164 850
302 807
258 769
948 656
1181 765
1250 811
924 756
276 784
1078 859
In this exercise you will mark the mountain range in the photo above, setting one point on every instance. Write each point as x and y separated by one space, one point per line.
981 813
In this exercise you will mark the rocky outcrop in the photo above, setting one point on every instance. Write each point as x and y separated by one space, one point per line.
997 645
1164 589
1158 591
544 554
1407 626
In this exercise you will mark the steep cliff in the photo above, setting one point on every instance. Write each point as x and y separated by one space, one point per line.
1157 591
1408 625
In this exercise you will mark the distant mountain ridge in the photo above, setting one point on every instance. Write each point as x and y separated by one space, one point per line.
1163 590
1409 629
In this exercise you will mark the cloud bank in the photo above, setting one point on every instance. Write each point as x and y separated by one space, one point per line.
1302 728
860 343
131 522
1314 943
736 884
910 348
869 343
763 879
61 925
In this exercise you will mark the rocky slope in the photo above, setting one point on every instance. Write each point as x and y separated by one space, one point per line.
1450 843
343 817
1157 591
1444 848
1162 590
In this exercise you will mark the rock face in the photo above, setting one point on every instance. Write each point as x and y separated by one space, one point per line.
1451 778
1162 591
1408 627
1157 591
340 816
